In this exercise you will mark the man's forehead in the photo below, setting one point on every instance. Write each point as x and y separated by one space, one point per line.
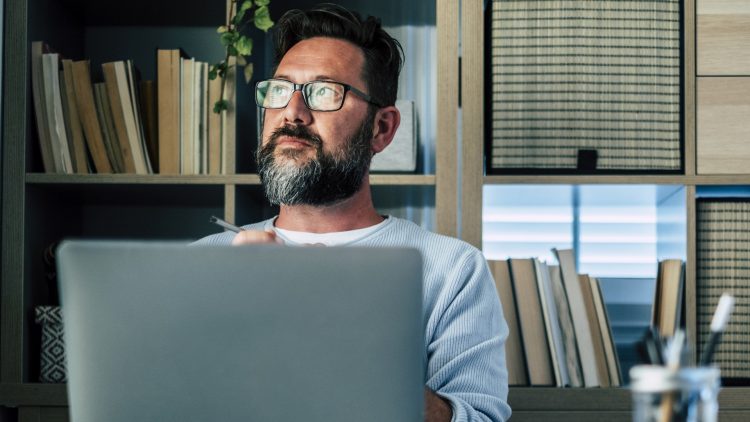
322 58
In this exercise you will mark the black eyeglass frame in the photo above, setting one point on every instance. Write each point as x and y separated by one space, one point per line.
301 88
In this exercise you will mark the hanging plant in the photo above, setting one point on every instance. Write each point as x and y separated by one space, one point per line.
238 45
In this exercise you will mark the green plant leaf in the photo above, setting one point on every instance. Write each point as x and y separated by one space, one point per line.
244 45
220 106
262 19
231 50
246 5
248 72
213 73
227 38
261 3
222 29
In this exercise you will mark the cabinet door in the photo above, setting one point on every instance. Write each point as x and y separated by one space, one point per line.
722 125
723 37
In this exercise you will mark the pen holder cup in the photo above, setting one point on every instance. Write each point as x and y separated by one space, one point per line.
664 395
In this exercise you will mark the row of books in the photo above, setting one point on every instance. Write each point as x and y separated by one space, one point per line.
123 124
559 328
560 334
191 140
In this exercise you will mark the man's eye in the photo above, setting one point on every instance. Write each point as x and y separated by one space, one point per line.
324 92
278 90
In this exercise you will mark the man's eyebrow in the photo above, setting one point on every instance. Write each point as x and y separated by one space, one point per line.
316 78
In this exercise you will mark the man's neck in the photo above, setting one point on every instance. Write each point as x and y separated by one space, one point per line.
356 212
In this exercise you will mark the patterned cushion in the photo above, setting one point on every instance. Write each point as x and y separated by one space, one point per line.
53 347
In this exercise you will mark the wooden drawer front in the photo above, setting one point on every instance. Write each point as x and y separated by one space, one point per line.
723 125
723 37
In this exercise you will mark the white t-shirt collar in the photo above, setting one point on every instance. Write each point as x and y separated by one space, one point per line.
291 237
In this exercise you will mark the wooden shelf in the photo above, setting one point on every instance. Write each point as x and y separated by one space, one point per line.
402 179
672 179
104 179
33 394
521 399
568 399
235 179
602 399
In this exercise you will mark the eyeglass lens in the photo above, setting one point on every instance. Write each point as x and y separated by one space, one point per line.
319 95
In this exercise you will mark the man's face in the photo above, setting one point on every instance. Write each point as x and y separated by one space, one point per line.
312 157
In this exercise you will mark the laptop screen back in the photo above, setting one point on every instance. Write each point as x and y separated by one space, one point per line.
166 332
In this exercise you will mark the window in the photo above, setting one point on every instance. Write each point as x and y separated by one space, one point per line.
611 227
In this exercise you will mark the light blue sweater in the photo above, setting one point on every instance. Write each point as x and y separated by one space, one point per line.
465 332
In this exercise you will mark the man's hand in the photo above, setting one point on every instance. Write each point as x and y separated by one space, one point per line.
435 408
250 237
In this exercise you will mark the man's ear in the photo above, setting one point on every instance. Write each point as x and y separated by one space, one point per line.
387 120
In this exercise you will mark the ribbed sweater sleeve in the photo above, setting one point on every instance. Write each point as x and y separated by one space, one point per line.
465 330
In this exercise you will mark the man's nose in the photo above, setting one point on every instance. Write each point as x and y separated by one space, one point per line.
296 111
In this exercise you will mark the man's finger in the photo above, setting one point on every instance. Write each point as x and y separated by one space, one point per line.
249 237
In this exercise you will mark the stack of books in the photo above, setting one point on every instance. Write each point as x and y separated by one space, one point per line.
123 124
560 334
559 329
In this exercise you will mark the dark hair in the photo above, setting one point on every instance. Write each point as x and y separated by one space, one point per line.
383 54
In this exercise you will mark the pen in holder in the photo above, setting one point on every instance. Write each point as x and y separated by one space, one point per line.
661 394
665 391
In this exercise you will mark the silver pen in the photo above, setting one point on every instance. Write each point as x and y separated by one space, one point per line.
228 226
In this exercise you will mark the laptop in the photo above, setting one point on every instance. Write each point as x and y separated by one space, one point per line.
169 332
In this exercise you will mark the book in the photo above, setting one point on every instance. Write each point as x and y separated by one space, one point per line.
552 324
66 119
567 330
149 117
73 120
668 296
596 334
201 116
401 154
610 350
580 318
214 128
40 113
109 134
515 360
114 94
125 114
187 116
229 122
89 118
168 100
531 320
127 72
53 107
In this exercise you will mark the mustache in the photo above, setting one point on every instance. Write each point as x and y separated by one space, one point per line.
299 132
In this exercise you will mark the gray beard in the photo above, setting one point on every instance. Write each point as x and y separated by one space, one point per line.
326 179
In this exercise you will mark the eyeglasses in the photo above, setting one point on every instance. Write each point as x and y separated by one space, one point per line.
318 95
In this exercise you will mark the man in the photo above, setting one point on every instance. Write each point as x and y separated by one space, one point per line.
314 161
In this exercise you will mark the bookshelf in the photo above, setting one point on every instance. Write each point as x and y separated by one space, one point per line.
40 208
712 55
